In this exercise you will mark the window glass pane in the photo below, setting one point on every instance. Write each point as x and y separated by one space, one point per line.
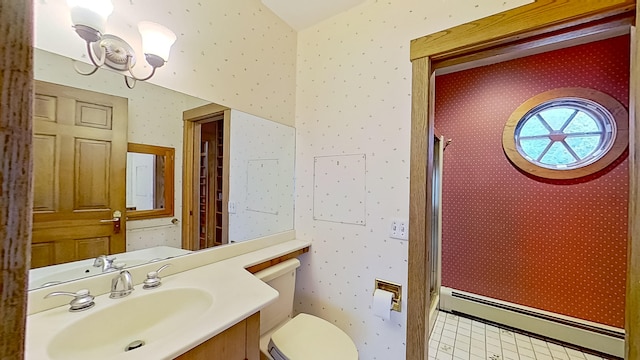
533 148
582 123
533 127
583 146
556 117
558 155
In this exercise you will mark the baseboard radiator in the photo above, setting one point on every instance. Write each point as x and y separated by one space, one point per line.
601 338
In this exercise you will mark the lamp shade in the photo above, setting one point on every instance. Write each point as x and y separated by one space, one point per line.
156 39
91 13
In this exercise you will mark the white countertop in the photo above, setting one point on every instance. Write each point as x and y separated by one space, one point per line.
237 294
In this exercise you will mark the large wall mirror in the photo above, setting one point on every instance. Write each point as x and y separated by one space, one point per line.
155 119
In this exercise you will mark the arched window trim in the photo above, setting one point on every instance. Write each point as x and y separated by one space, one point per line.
618 113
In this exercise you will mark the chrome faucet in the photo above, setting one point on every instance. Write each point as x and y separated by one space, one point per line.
124 277
104 262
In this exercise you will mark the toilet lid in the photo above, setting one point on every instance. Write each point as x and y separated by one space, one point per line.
307 337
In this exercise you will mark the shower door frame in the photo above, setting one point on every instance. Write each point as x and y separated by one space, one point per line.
436 230
541 23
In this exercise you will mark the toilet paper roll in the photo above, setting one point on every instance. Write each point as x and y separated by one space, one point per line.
382 304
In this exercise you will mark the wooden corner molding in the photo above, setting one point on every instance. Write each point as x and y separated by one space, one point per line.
16 92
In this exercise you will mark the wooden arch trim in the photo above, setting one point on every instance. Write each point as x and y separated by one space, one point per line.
620 119
537 19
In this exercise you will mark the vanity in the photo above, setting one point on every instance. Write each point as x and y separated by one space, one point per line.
206 308
209 301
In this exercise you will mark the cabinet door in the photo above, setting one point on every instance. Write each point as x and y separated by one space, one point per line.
240 342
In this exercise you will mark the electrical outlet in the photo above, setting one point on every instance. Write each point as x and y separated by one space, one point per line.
403 231
394 229
231 207
399 229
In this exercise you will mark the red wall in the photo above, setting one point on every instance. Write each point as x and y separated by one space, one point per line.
554 245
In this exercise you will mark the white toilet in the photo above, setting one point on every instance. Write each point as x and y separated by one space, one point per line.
305 337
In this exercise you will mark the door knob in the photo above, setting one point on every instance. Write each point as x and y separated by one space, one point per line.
117 217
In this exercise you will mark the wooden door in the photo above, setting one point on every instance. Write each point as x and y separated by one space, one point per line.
80 150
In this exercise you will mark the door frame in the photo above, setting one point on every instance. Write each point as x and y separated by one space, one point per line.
193 120
541 23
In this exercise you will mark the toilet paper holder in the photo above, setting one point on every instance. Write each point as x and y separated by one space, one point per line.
395 289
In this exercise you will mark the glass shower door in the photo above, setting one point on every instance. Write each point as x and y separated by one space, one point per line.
435 255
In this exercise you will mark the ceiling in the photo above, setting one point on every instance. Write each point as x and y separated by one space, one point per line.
301 14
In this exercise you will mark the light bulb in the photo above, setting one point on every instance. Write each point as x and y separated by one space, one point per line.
91 13
156 39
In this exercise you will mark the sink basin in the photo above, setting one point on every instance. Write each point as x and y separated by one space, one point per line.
113 324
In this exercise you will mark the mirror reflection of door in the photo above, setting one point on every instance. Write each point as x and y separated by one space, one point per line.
206 177
211 181
80 146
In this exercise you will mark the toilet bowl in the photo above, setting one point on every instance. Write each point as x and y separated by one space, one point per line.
303 337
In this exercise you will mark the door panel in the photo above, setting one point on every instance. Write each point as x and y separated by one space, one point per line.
92 162
42 254
80 147
44 108
93 115
45 173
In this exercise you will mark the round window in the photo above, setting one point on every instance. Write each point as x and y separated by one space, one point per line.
566 133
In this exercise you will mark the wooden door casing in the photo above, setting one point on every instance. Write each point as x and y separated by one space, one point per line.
501 33
80 148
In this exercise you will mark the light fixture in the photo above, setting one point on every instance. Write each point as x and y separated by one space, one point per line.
89 18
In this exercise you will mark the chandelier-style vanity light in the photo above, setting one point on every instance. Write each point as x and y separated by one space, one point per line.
89 18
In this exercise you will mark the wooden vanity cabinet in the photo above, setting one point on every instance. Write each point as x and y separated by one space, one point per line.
239 342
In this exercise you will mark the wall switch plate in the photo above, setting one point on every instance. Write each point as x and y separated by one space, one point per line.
231 207
399 229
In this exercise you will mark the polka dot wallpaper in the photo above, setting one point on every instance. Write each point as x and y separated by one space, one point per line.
354 97
339 188
235 53
556 245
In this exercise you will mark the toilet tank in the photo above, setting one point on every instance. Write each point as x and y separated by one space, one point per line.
281 277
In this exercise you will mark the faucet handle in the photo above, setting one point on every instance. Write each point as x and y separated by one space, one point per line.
83 300
104 261
153 279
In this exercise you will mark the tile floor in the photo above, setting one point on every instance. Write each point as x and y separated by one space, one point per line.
459 338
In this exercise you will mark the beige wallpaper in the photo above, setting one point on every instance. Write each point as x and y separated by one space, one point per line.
353 97
236 53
